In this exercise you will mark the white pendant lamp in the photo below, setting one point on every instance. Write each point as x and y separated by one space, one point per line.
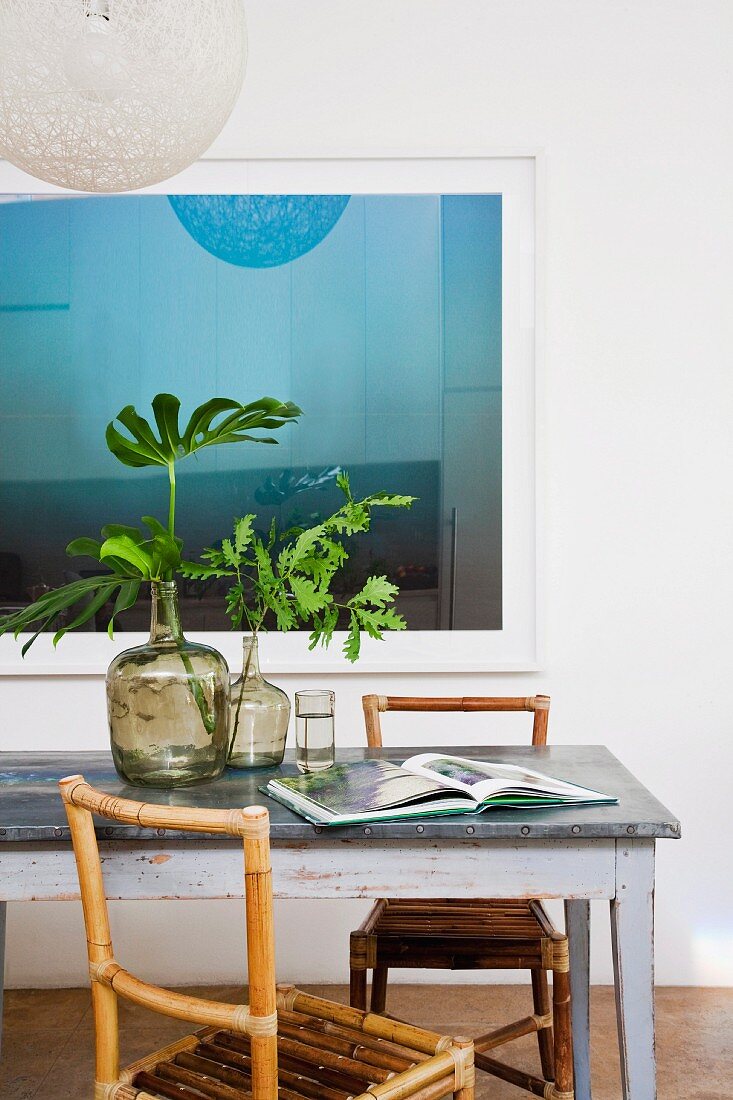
112 95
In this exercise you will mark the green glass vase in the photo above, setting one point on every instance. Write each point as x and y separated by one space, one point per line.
260 713
168 704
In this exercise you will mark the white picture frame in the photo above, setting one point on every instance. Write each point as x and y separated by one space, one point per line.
514 648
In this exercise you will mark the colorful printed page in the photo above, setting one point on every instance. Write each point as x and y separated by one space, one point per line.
485 780
366 791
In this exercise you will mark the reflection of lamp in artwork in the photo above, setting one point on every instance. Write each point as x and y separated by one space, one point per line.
258 230
112 95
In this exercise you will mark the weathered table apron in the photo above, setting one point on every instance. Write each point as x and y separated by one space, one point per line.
137 870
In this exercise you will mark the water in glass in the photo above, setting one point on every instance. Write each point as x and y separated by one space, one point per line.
314 730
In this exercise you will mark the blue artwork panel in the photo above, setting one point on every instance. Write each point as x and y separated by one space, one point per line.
380 315
34 257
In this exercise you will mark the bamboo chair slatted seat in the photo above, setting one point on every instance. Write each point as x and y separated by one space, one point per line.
462 934
283 1045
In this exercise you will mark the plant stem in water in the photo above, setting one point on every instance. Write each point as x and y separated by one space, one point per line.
245 673
207 717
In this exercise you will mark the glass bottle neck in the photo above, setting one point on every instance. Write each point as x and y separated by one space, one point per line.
165 620
250 658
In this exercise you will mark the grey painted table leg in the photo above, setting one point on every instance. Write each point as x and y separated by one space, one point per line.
577 923
632 934
3 911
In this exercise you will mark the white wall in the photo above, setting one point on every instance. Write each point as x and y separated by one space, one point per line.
631 103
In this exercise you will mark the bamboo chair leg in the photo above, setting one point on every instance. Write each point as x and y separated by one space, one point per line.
99 940
380 975
563 1034
358 988
541 997
358 957
107 1056
468 1091
260 952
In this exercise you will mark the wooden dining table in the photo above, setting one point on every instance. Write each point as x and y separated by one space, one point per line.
577 854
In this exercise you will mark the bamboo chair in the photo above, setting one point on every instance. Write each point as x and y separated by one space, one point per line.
283 1045
462 934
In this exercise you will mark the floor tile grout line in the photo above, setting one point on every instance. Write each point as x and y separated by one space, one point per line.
40 1091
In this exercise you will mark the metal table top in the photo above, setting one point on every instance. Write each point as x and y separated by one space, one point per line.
31 809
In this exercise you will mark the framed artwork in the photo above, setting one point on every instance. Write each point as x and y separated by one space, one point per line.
393 300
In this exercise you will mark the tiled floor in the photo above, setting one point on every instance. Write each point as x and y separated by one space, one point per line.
47 1050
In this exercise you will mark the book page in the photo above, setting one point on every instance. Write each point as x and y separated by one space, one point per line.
453 772
483 779
319 815
364 787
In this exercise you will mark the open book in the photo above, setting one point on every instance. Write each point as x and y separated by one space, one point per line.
427 785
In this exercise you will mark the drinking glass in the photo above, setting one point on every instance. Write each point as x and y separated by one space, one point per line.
314 730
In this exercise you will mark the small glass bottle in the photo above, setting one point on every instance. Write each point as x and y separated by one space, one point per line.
260 713
314 730
168 704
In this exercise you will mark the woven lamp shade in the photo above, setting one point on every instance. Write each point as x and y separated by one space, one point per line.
258 230
113 95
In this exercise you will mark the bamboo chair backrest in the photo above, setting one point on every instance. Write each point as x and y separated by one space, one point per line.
109 979
375 705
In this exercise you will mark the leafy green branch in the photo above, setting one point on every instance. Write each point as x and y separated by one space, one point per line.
290 574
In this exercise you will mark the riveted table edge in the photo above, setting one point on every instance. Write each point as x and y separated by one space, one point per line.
424 830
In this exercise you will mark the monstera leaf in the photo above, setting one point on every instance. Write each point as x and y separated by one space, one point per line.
220 420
